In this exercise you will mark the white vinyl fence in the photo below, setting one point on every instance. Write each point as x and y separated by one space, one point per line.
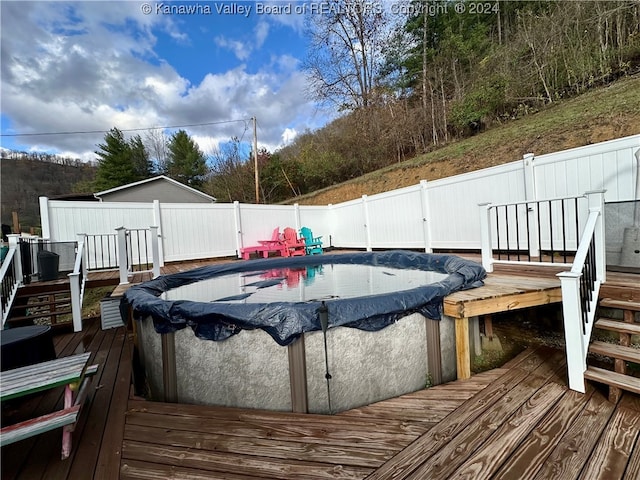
441 214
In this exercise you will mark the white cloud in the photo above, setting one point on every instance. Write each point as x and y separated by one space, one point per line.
95 65
288 135
261 32
239 49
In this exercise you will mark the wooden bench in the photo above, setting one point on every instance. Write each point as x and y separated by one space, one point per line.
71 372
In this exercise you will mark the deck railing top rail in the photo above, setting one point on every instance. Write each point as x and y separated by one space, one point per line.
529 202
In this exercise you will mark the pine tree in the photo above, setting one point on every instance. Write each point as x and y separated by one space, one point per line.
121 162
140 157
186 162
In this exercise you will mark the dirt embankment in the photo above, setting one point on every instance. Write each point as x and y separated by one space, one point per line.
604 114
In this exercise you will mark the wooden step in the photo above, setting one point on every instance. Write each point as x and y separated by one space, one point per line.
629 354
618 326
23 292
39 315
46 303
613 379
621 304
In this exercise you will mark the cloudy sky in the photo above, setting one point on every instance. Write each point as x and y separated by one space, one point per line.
93 65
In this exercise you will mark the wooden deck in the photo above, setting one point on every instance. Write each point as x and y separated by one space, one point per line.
515 422
98 435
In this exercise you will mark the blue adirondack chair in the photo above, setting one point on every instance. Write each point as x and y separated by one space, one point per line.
312 245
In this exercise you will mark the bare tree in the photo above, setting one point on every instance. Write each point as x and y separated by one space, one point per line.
156 143
345 52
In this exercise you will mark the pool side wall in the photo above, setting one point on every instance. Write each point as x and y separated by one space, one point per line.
250 370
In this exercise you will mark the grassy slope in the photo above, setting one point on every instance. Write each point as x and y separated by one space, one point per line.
599 115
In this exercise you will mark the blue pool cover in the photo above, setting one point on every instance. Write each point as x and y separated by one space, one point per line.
286 321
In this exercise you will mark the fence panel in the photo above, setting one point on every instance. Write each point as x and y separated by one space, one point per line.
453 203
258 221
68 219
348 220
390 220
396 219
197 230
609 166
317 219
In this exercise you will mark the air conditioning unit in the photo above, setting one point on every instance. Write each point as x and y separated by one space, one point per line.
110 313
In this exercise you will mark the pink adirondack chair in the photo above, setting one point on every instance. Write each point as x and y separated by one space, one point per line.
274 244
294 246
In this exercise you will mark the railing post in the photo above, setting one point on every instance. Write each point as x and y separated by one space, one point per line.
14 242
485 237
44 217
596 204
532 212
76 306
82 237
426 216
75 279
571 310
155 251
157 220
122 255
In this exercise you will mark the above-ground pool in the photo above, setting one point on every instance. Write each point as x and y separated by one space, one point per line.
253 309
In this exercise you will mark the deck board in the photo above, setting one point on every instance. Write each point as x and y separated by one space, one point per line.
573 452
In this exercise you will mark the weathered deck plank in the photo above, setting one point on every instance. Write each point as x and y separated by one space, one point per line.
356 455
608 459
247 464
573 452
327 430
455 453
493 452
529 457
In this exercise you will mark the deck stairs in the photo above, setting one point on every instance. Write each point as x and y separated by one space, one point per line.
618 301
45 303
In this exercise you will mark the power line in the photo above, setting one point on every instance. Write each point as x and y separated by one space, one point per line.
82 132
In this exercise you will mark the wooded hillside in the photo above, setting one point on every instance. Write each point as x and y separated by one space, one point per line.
449 71
26 177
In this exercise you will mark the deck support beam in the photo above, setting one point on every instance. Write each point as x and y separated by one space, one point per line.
463 354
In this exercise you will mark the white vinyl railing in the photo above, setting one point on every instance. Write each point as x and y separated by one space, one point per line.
77 280
542 232
138 252
580 289
10 277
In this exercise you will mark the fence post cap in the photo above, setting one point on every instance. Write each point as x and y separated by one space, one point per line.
569 275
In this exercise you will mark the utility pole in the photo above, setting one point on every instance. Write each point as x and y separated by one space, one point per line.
255 158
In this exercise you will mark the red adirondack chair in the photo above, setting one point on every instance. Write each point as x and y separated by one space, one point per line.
274 244
294 246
